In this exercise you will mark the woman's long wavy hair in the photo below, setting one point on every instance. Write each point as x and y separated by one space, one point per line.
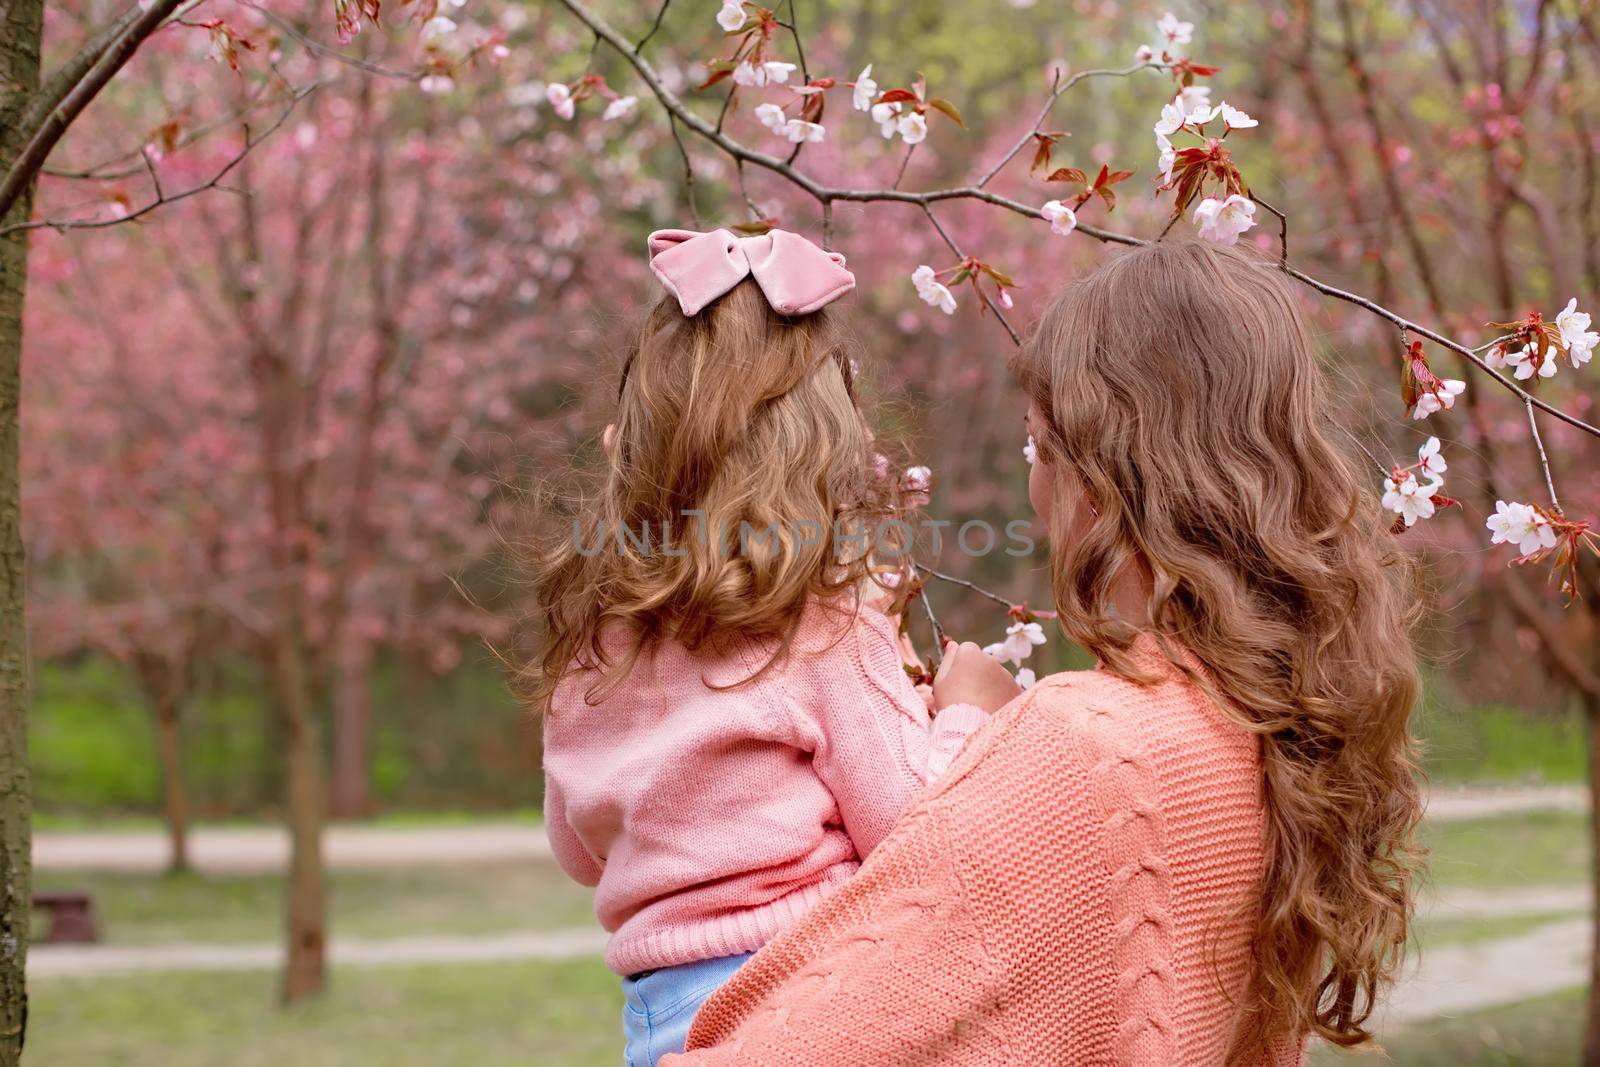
738 450
1180 394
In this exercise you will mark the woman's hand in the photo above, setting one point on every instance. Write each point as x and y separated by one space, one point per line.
968 676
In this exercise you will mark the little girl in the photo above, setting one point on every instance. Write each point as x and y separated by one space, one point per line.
729 729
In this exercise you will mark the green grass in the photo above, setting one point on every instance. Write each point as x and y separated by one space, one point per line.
1464 743
550 1014
1545 1032
150 909
1438 933
1535 848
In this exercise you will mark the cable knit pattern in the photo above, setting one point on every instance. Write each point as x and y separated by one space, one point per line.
1080 888
709 814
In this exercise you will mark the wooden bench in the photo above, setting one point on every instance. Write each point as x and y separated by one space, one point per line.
71 918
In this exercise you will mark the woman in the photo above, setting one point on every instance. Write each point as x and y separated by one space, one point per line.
1201 851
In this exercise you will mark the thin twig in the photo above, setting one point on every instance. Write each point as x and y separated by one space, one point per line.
1283 230
688 167
933 620
1016 338
1544 460
315 46
981 591
161 199
905 162
661 13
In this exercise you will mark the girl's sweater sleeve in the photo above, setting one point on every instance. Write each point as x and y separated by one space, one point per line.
569 851
874 746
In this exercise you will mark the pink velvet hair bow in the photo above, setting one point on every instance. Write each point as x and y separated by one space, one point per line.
795 275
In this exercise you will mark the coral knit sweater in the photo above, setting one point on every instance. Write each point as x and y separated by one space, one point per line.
710 814
1080 888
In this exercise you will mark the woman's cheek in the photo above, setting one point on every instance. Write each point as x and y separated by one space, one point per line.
1040 490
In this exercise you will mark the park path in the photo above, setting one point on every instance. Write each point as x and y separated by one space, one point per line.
247 850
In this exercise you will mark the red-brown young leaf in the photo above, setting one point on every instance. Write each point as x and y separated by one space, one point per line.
897 96
1442 501
1109 196
920 87
945 107
716 76
1068 174
1118 176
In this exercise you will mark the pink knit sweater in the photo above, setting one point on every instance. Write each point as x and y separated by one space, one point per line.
1081 888
710 815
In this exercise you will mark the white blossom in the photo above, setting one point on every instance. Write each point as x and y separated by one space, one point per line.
1172 116
1174 31
1236 119
1431 402
884 115
443 83
1431 458
771 116
1018 644
865 90
913 127
1062 218
620 108
1192 98
1575 333
560 98
1165 163
1030 451
932 292
799 131
1409 498
731 17
438 26
1520 525
1025 678
918 479
1143 54
1223 221
1522 364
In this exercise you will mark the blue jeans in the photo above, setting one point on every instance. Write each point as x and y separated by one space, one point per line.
661 1004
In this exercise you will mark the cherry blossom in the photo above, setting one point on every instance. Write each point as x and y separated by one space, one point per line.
1443 398
1018 644
864 91
1223 221
731 17
917 479
1520 525
1235 119
1025 678
755 75
1409 498
1030 451
1063 219
1526 362
1431 459
1174 31
1171 121
799 131
1143 54
772 117
560 98
443 83
619 108
1192 98
1573 326
436 27
932 292
885 115
913 127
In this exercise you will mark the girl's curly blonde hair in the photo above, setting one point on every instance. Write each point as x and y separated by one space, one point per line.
738 450
1177 388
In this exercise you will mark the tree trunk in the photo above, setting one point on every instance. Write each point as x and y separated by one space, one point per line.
21 23
352 732
1591 1036
175 798
305 971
